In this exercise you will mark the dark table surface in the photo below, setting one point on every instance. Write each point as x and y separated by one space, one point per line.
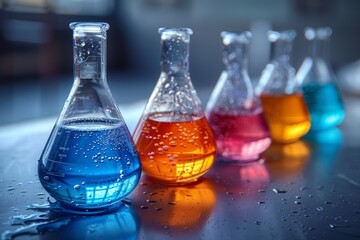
318 179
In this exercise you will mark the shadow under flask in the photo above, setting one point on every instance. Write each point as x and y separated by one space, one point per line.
321 94
90 161
281 97
233 111
174 140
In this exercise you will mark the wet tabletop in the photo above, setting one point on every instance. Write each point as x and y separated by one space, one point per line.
309 189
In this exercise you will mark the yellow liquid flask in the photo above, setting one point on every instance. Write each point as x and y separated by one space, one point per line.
174 140
280 94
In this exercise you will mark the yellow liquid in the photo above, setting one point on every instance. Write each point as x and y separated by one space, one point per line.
175 152
287 116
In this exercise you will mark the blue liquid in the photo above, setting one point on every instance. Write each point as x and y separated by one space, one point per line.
325 105
89 165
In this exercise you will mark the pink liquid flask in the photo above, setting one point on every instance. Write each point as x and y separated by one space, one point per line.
233 111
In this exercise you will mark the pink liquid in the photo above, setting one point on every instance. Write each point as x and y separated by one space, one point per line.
240 137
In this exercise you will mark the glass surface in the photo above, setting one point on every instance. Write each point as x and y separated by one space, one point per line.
280 94
321 94
90 161
234 112
174 139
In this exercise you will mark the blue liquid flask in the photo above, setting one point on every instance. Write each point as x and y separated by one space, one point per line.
90 161
321 94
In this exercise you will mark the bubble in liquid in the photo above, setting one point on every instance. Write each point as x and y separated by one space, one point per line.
76 187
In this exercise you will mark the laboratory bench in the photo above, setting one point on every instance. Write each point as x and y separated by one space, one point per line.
309 189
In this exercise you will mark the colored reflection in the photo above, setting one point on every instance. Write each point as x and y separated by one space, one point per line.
174 207
247 178
286 160
123 224
325 146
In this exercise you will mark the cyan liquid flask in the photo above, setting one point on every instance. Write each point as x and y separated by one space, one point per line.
233 111
90 161
321 93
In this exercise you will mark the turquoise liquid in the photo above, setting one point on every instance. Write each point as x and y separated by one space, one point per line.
90 165
325 105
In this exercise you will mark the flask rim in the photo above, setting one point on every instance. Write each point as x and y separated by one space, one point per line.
285 35
90 26
182 30
239 37
317 33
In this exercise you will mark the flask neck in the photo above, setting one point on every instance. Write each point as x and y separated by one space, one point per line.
89 43
319 49
235 51
175 51
281 51
235 58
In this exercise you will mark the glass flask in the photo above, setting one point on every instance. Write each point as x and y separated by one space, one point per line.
280 94
173 137
233 111
321 94
90 161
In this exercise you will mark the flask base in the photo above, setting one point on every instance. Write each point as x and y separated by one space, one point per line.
174 183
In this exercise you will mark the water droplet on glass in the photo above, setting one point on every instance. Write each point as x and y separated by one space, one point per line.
276 190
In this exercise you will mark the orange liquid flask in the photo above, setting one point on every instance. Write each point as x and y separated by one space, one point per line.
174 139
280 94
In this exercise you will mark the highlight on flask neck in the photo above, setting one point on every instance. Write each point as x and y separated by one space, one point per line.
175 49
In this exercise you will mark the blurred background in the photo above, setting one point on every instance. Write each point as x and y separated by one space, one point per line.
36 44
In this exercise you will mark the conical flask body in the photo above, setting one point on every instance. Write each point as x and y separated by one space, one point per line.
233 111
281 97
174 140
90 161
319 86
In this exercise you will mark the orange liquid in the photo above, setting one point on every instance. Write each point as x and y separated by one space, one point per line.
175 152
287 116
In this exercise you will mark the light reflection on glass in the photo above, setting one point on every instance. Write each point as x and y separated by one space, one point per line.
100 194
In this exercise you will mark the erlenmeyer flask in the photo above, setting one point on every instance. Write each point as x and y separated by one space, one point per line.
318 82
90 161
173 137
281 96
233 111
